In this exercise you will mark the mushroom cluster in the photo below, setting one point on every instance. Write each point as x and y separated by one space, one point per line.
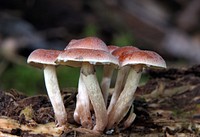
92 97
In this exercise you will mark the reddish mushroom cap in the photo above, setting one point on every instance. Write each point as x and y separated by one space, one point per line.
148 58
90 49
92 43
112 48
40 57
126 49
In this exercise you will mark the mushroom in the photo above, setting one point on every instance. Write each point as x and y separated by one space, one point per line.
121 76
82 113
86 53
107 75
45 59
131 117
137 60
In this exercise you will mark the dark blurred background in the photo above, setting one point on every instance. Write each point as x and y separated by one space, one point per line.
169 27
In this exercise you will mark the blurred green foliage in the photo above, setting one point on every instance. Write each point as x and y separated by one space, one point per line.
123 39
144 79
22 78
30 80
90 30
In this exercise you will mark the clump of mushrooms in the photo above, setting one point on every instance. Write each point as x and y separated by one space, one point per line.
86 53
137 60
45 59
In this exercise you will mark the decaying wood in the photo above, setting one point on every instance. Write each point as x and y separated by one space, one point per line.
10 126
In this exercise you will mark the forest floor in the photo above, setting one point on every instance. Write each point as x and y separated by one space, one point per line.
167 105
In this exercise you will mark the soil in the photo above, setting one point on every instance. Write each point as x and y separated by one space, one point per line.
167 105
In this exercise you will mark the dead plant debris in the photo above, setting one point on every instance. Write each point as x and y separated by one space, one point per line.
167 105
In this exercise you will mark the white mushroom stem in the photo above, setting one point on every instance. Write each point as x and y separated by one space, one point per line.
82 113
126 97
53 91
106 80
119 85
95 95
130 118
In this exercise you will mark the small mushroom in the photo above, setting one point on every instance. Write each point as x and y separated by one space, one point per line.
137 60
45 59
107 75
121 76
82 113
130 119
86 53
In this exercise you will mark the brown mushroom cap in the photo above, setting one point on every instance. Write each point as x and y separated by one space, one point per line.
148 58
90 49
87 43
126 49
40 57
112 48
